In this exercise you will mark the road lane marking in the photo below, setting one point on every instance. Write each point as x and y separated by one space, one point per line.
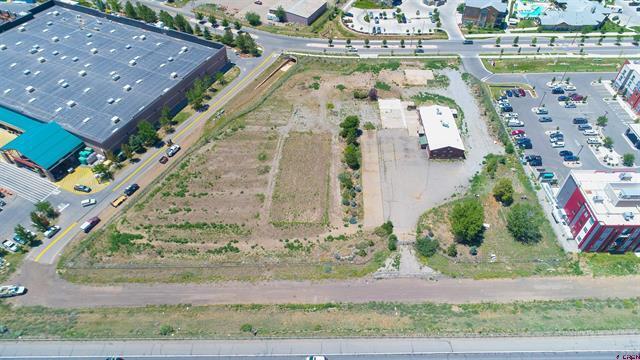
65 232
196 120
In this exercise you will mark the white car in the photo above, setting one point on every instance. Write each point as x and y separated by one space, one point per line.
590 132
594 141
515 123
541 110
11 246
11 290
511 115
569 87
557 144
88 202
173 149
316 357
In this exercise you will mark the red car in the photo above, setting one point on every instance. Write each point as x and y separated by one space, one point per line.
521 92
517 132
163 160
576 97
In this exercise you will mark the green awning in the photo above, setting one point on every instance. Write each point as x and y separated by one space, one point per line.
45 144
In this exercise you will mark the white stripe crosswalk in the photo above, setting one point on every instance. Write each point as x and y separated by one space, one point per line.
25 183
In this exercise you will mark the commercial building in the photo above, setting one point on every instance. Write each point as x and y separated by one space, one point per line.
633 134
484 13
573 15
602 210
305 12
95 76
441 131
627 83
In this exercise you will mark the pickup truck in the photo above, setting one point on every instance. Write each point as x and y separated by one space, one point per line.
12 290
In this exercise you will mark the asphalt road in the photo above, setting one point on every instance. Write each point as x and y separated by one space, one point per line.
558 347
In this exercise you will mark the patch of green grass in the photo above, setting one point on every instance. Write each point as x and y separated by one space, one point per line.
604 264
381 85
370 4
546 65
322 320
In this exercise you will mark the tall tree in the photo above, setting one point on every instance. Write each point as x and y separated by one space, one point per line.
100 5
147 133
166 19
227 38
39 221
45 208
115 6
28 236
281 14
130 11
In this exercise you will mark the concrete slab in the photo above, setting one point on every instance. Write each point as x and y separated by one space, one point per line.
372 192
416 77
392 114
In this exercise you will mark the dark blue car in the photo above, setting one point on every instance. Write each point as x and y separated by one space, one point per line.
509 93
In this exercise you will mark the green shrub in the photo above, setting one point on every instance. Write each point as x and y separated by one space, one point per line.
246 327
426 246
503 191
467 218
166 330
392 242
524 221
452 250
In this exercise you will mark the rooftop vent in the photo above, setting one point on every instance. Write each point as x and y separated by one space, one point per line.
3 47
67 36
89 35
173 75
115 77
86 90
94 51
64 85
74 59
143 37
27 72
628 215
115 119
57 110
30 89
82 73
112 31
112 51
22 29
45 30
37 72
118 100
89 43
184 49
625 176
18 43
49 23
6 91
60 82
127 46
598 199
138 81
13 65
87 65
165 90
33 51
41 59
55 39
132 63
86 120
71 103
55 52
56 13
162 65
127 87
169 59
63 57
110 100
31 100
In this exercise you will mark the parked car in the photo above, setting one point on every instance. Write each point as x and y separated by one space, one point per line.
12 290
117 202
541 110
590 132
570 158
576 97
507 108
594 141
526 145
509 93
82 188
570 105
163 159
580 120
51 231
129 190
467 42
90 224
88 202
2 203
563 98
258 2
557 144
586 126
557 90
515 123
173 149
569 87
545 119
534 160
11 246
564 153
557 134
515 93
521 92
517 132
20 240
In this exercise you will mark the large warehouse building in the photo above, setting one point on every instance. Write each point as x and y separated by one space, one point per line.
305 12
443 137
95 75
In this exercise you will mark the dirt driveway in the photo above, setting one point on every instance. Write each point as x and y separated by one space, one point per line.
411 183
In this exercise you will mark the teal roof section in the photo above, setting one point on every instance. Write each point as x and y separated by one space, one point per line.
16 120
45 144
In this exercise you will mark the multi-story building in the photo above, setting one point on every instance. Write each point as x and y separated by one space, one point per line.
484 13
627 83
602 210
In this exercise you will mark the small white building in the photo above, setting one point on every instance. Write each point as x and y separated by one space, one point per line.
441 130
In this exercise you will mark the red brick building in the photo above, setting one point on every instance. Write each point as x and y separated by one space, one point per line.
484 13
602 210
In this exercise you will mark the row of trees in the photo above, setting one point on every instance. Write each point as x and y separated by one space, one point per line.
243 41
146 136
196 95
43 214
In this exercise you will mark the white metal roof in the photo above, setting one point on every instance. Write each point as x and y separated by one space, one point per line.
440 127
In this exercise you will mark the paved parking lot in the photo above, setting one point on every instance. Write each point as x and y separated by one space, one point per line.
415 11
575 141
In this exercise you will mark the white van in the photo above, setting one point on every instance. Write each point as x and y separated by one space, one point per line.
88 202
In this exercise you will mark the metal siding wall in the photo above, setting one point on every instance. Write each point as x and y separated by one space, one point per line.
603 236
568 188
